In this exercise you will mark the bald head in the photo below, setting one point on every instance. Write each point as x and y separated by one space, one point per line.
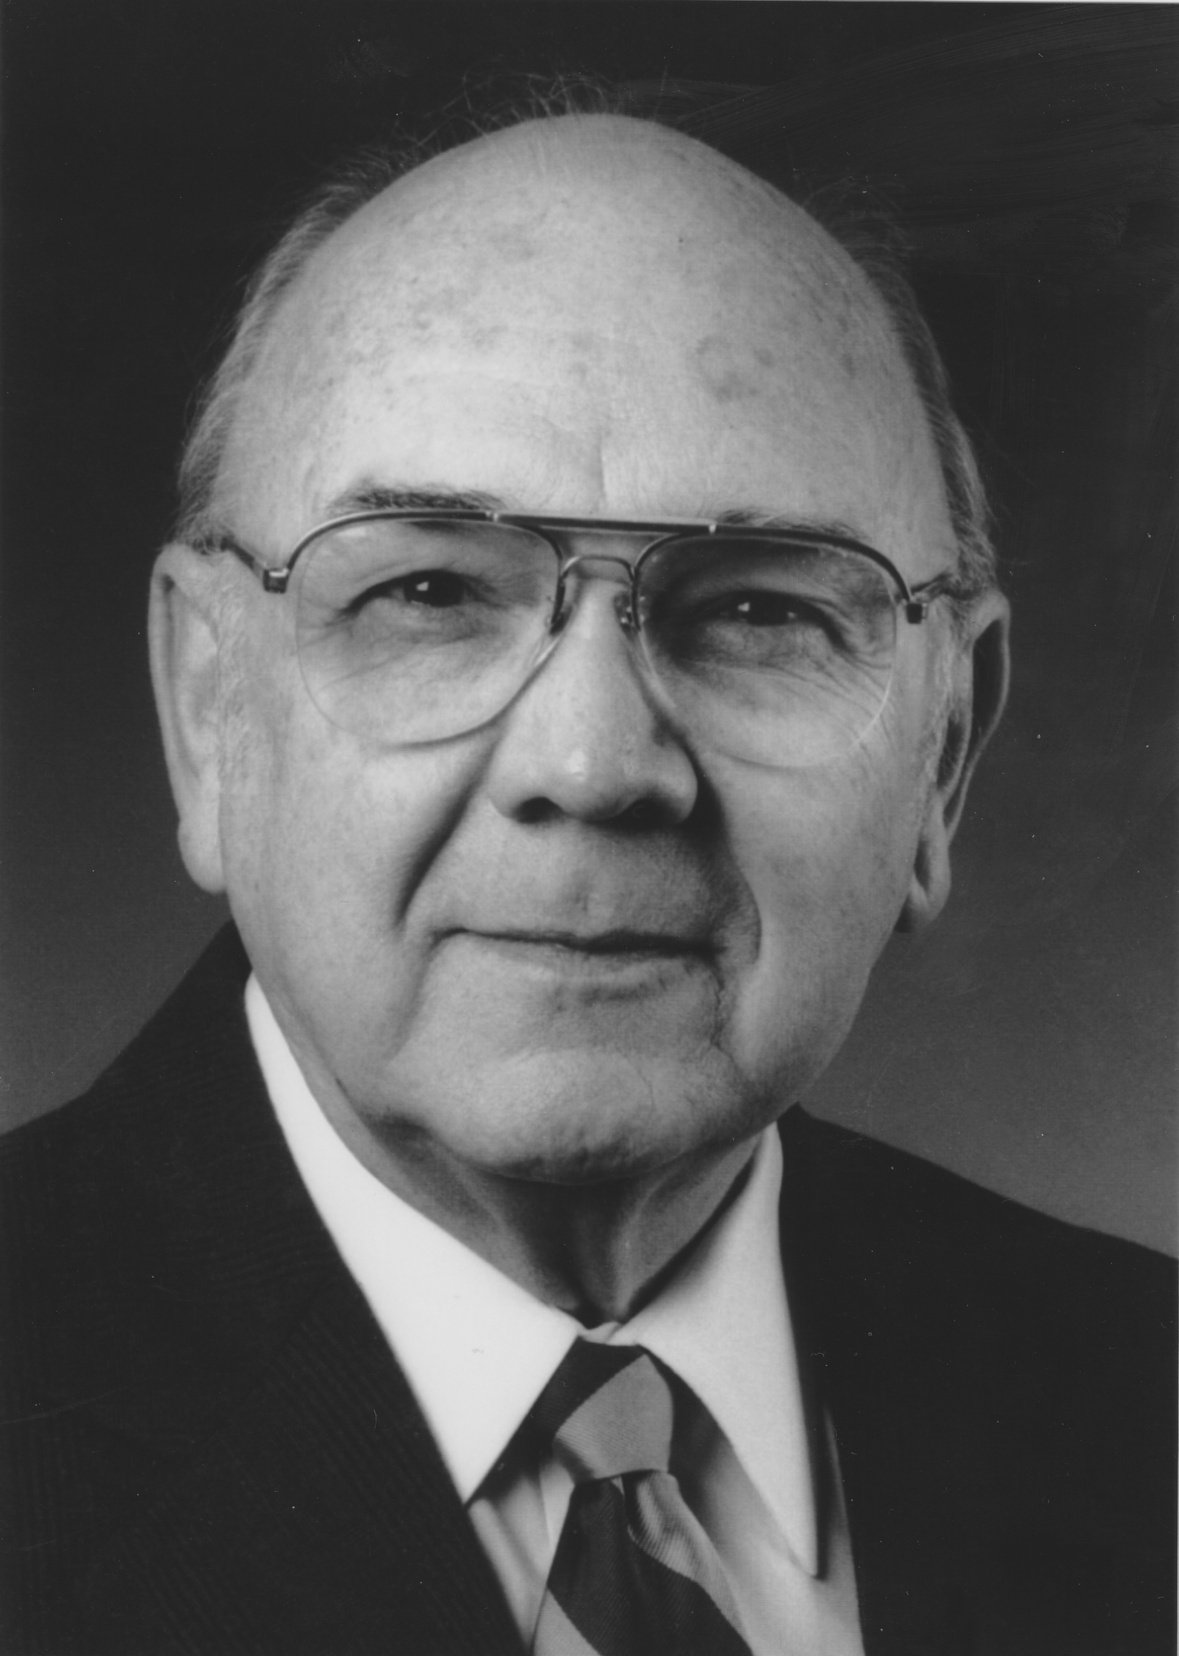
646 279
626 203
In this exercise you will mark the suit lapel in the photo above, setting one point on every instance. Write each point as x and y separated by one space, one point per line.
318 1518
866 1351
295 1500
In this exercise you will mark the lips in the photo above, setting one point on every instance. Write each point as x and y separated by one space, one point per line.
615 942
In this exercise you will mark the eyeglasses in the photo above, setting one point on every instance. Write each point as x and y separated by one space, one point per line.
416 626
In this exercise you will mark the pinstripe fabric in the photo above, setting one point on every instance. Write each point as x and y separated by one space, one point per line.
634 1572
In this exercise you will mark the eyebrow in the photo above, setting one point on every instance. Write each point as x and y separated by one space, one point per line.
754 518
378 497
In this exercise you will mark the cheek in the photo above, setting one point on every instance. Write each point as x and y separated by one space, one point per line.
324 847
827 858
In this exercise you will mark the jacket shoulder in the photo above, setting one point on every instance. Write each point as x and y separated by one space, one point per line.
1003 1387
134 1220
921 1214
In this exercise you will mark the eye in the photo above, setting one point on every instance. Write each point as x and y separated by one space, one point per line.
766 609
766 613
424 589
751 627
434 589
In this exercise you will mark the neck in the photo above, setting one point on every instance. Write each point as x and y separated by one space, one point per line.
596 1250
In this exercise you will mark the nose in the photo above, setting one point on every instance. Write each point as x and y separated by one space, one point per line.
587 738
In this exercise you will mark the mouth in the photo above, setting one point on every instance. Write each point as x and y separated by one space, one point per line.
619 962
621 943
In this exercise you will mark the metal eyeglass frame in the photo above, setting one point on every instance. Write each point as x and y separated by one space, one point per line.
912 601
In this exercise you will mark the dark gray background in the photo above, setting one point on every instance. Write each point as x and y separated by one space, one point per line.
152 149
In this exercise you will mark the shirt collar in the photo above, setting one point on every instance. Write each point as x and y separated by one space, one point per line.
477 1349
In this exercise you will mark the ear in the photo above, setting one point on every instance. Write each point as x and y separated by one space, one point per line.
977 696
184 642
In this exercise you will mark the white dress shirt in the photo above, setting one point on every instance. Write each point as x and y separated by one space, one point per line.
477 1350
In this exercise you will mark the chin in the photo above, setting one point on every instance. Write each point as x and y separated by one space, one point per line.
589 1118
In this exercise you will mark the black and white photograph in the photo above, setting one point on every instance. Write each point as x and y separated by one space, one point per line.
588 826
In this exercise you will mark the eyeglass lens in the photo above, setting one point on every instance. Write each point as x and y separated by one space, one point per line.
415 630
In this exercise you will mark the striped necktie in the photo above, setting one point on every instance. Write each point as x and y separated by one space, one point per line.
634 1572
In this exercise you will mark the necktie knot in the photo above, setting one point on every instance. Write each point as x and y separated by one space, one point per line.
634 1571
606 1411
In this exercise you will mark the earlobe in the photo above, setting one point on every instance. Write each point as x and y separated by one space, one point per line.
184 643
976 704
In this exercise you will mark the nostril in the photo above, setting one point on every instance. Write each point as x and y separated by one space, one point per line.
538 809
644 813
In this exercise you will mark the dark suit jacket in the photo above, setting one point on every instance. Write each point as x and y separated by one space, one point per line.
210 1449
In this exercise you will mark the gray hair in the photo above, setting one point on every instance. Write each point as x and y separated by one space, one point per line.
867 236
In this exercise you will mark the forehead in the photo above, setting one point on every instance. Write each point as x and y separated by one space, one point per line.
588 314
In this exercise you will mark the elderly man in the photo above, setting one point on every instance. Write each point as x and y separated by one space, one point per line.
571 663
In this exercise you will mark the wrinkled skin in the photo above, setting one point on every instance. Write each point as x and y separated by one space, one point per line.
594 317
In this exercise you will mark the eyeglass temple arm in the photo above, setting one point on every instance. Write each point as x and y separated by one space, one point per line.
915 601
273 580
